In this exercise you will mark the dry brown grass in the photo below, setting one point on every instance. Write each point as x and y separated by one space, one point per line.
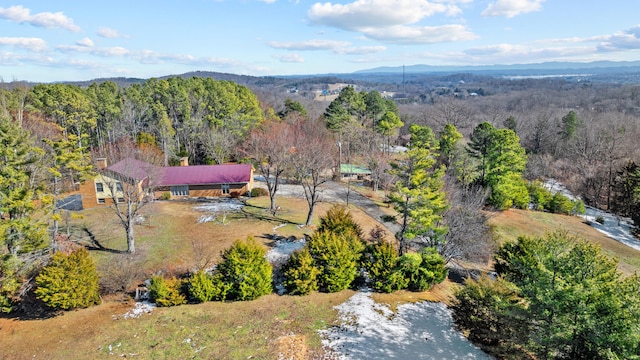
171 240
509 225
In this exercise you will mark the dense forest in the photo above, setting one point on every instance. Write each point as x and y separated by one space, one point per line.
443 148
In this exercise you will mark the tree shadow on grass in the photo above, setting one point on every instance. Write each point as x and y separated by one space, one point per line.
95 245
267 216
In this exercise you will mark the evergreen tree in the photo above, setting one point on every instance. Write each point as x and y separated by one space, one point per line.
418 195
69 281
70 160
245 268
300 273
575 297
19 233
380 259
337 256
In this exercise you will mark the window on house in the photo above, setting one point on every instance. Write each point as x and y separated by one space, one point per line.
102 201
225 189
120 200
119 186
99 187
182 190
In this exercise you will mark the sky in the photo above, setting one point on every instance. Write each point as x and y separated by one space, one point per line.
72 40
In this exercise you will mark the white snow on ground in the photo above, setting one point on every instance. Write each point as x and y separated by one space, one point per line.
615 227
141 308
278 256
217 207
421 330
282 249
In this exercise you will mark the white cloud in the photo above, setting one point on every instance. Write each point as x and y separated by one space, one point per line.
115 51
421 35
366 14
511 8
337 47
48 20
360 50
109 33
85 42
267 1
290 58
33 44
393 21
627 40
309 45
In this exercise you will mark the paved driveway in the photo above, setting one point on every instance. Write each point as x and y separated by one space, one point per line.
334 192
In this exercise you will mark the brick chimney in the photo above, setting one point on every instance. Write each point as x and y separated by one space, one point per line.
101 163
184 161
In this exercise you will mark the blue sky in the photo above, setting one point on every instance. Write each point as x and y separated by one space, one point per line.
82 40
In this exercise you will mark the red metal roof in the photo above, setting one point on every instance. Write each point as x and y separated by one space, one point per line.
183 175
206 174
135 169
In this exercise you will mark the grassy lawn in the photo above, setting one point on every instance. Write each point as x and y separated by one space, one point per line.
171 240
508 225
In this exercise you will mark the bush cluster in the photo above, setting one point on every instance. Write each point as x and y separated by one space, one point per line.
257 192
389 272
334 255
542 199
243 274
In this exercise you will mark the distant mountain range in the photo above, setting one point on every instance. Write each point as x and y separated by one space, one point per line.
604 71
596 67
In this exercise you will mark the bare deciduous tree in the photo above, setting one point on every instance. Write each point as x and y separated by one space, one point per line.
130 182
270 148
312 160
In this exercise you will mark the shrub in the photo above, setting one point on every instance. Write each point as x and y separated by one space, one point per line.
423 270
9 283
246 271
561 204
337 256
510 191
539 196
380 260
69 281
600 219
165 196
166 292
257 192
300 274
339 220
578 208
200 286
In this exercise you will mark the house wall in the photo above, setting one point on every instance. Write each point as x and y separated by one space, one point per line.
90 196
213 190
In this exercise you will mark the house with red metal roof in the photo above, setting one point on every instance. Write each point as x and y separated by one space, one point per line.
182 181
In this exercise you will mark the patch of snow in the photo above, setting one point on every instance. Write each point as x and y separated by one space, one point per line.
216 207
555 186
279 226
615 227
422 330
141 308
278 256
282 250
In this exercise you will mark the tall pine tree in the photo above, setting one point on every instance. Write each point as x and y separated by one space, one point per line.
418 195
